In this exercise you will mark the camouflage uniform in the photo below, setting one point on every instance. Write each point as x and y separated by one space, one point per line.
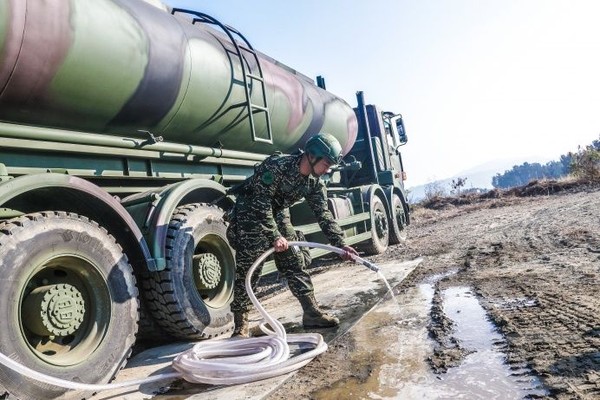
261 215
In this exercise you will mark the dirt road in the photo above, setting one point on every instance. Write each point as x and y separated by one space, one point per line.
533 263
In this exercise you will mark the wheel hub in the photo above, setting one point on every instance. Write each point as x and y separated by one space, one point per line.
54 310
380 224
400 217
208 270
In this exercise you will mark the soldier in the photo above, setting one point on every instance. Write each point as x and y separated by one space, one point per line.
261 220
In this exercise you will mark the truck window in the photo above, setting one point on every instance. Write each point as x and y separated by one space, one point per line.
391 140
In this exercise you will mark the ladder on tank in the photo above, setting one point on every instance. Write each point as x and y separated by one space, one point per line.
248 78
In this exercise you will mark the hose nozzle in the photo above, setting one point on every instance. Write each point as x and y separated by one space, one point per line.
368 264
337 250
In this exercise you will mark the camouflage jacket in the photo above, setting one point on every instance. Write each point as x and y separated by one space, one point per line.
276 185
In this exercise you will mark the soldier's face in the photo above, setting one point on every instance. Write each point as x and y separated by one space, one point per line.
322 167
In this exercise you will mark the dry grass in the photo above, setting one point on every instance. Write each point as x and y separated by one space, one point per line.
493 197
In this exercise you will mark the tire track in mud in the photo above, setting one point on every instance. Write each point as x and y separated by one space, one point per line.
555 336
540 285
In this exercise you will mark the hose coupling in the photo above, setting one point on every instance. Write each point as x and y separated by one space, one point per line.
369 265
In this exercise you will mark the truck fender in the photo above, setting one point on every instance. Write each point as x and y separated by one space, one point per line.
376 203
61 192
370 191
154 209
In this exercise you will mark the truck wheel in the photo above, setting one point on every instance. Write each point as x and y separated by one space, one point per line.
150 334
398 221
69 303
379 229
190 298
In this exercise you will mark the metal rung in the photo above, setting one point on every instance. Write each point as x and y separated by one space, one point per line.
257 139
260 108
247 75
258 78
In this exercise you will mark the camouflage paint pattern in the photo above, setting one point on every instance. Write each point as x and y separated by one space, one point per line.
118 66
4 17
261 215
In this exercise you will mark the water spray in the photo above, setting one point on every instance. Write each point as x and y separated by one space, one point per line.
230 361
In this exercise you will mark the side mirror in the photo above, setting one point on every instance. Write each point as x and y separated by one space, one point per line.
401 131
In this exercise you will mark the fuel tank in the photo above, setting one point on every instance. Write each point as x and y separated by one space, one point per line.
118 66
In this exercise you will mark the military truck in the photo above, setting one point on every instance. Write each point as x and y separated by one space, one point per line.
122 125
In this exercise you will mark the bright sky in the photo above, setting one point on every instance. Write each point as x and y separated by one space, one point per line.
476 80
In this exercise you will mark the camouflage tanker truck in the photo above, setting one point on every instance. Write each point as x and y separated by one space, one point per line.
122 125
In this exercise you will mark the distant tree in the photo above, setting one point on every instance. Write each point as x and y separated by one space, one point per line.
586 162
519 175
434 189
565 162
457 184
522 174
555 169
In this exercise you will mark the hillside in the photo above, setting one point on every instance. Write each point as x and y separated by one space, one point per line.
479 177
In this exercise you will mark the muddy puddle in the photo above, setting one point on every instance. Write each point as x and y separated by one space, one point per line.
393 350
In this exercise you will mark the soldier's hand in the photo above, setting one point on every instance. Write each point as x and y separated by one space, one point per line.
280 244
349 253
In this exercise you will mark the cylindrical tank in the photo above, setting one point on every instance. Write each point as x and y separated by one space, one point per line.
118 66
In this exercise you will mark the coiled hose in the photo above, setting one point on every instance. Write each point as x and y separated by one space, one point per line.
225 362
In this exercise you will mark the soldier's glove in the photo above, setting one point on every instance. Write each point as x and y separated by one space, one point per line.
349 253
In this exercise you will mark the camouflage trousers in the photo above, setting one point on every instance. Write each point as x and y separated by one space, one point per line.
249 244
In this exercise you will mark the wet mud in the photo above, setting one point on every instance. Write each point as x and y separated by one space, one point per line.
532 266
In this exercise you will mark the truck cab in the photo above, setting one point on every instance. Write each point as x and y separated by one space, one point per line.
366 192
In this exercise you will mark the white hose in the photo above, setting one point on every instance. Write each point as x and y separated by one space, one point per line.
247 360
230 361
38 376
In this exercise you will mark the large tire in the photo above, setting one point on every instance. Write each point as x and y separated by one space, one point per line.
69 303
150 334
379 227
398 221
190 298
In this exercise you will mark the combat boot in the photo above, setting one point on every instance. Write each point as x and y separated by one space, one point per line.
313 316
241 326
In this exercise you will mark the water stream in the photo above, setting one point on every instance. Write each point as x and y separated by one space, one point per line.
390 290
